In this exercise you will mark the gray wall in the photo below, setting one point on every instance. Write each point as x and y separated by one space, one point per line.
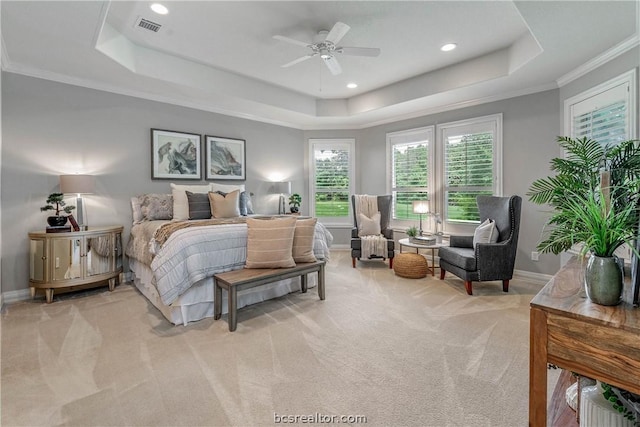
52 128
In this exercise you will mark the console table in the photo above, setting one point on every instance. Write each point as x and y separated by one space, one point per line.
568 330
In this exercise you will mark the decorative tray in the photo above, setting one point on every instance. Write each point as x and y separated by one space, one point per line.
423 240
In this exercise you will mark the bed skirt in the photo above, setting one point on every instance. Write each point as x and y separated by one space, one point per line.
197 302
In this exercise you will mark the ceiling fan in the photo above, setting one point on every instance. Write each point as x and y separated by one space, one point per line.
327 45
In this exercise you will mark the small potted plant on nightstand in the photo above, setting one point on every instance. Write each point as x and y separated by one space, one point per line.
294 202
57 199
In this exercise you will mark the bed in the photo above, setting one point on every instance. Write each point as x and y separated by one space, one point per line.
173 262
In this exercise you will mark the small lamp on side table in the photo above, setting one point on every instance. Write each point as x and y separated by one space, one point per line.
78 184
421 207
282 188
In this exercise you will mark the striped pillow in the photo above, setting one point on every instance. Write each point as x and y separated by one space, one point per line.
199 207
303 240
270 242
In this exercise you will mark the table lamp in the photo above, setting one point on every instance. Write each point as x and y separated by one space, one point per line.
282 188
421 207
78 185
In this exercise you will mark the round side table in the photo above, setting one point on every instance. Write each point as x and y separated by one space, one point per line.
407 243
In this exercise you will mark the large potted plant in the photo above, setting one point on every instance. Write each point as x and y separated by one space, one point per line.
57 199
594 196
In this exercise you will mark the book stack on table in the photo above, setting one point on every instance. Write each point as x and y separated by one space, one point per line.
59 229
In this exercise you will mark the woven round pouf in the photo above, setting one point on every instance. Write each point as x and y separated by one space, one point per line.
411 266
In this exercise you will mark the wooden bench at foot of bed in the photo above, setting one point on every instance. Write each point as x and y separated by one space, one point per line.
237 280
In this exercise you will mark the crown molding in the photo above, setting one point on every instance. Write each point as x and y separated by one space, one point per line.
614 52
458 105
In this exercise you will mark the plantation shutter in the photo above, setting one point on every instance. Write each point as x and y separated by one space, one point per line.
603 117
410 168
332 179
468 171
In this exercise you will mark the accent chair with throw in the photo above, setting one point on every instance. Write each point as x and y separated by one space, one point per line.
490 254
371 237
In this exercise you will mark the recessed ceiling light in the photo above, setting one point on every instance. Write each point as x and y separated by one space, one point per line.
159 9
447 47
352 85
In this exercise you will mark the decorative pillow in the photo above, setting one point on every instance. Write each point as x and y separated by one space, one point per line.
485 233
369 226
152 206
224 206
180 202
303 240
249 204
246 207
136 210
199 206
270 242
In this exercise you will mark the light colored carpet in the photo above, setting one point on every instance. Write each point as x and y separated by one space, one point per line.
396 351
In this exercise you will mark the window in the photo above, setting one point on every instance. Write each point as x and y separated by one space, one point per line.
332 179
409 167
604 113
464 161
471 165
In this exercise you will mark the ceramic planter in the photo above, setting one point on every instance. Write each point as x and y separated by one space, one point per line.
603 280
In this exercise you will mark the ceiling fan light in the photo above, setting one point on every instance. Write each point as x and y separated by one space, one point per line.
159 9
325 56
352 85
447 47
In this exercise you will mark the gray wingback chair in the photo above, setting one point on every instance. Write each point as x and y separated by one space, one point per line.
487 261
384 206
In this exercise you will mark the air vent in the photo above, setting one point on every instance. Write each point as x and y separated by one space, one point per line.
148 25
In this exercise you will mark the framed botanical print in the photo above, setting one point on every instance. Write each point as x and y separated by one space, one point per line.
225 158
175 155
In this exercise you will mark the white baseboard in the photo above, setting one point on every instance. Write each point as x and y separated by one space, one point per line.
530 275
340 247
15 296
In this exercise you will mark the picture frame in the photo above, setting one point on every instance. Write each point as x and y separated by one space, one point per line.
176 155
225 158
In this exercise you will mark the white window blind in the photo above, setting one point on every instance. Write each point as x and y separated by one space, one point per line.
604 112
468 173
332 178
471 166
410 167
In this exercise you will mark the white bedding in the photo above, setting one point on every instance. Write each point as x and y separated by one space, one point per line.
192 255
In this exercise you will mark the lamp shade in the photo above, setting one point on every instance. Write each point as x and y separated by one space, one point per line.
282 187
421 207
77 184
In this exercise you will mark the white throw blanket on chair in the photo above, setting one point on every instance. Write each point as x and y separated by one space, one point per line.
370 244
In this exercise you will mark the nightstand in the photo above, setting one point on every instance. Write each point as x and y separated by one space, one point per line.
66 260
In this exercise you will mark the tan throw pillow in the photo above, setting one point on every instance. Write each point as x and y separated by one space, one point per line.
485 233
303 240
369 226
270 242
225 206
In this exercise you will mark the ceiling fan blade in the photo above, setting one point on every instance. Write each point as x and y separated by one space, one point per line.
333 65
292 41
358 51
337 32
296 61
